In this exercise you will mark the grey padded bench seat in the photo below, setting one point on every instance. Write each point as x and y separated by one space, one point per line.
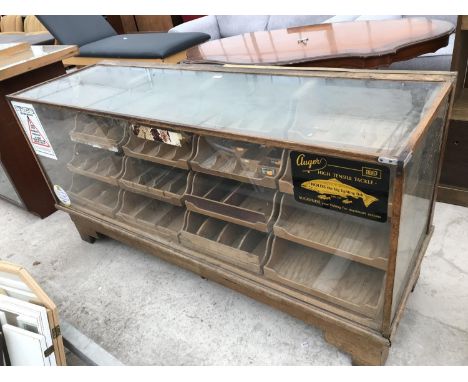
142 45
96 38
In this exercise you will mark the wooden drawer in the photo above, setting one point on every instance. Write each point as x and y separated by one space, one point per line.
232 201
159 152
340 281
228 242
154 217
161 182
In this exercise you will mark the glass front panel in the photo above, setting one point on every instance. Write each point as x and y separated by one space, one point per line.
419 182
7 190
315 226
234 203
374 116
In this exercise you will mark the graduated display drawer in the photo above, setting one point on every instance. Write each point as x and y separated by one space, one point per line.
102 165
155 180
99 132
154 217
227 242
240 203
159 152
346 283
241 161
94 196
351 237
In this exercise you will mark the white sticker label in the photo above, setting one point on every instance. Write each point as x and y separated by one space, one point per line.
32 126
62 195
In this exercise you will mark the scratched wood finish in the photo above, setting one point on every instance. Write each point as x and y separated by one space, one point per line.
346 44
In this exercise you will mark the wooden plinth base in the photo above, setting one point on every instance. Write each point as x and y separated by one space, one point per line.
366 346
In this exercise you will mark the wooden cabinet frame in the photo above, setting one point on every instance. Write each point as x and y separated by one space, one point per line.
367 340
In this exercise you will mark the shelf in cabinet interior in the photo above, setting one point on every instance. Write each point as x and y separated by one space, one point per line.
351 237
154 217
348 284
94 197
240 161
240 203
99 133
101 165
156 181
228 242
159 152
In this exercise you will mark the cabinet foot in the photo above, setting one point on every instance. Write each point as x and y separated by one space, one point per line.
86 232
364 350
87 238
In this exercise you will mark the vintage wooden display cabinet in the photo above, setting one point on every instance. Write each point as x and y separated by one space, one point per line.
309 190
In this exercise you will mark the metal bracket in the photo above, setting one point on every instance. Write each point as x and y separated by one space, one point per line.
49 351
385 160
55 332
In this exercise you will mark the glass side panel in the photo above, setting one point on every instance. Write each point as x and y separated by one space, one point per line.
419 182
372 116
7 189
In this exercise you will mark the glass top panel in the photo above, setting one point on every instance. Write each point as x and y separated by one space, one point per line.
372 116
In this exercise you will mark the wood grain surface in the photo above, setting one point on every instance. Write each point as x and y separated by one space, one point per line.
346 44
33 58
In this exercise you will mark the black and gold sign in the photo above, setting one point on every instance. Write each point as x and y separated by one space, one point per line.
347 186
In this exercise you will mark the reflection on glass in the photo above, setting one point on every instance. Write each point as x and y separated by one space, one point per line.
375 116
419 183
